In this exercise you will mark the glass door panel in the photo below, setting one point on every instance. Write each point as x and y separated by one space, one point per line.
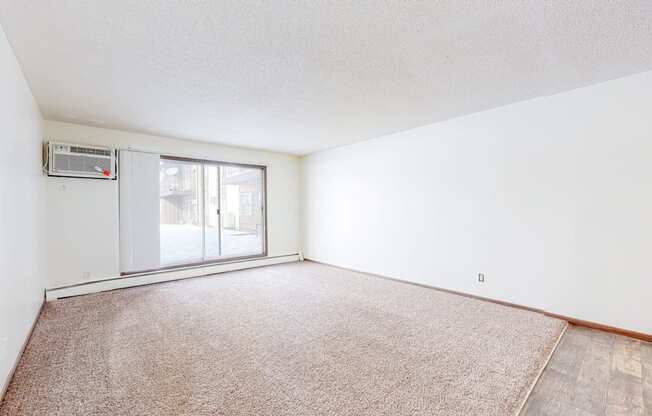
181 224
241 201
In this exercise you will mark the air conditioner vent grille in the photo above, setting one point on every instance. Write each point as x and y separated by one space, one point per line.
89 151
71 163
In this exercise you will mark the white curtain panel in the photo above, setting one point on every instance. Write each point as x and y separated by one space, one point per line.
139 211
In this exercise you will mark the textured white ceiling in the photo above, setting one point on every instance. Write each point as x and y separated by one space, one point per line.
303 76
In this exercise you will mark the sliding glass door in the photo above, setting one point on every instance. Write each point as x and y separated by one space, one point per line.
210 211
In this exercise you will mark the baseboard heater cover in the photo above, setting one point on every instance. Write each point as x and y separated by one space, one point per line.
163 276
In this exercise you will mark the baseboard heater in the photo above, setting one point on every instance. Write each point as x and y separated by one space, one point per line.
104 285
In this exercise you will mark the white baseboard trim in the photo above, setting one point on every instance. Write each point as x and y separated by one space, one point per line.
162 276
7 381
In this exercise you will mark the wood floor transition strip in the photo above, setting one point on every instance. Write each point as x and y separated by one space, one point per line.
541 370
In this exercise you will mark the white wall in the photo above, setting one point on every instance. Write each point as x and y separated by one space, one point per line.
550 198
82 241
82 230
21 211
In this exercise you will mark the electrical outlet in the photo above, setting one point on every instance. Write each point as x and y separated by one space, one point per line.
481 277
86 275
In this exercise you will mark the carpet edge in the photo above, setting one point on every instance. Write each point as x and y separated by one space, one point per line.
541 370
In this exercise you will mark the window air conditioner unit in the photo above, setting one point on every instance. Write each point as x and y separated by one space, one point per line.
80 161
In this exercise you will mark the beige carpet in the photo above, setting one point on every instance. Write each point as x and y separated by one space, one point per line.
295 339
